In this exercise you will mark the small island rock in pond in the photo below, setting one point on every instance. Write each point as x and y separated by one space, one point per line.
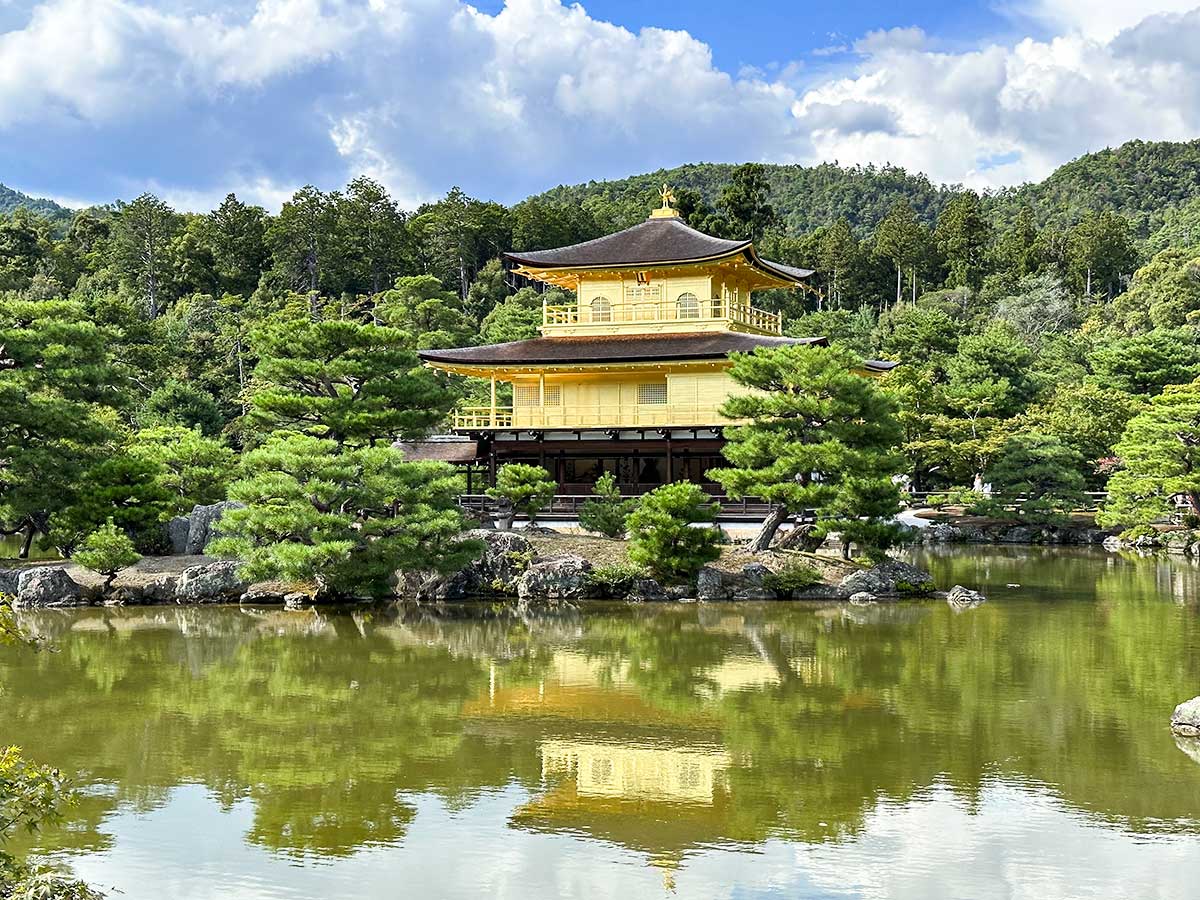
891 578
1185 721
960 597
555 579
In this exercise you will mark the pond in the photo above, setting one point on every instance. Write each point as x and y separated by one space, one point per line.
1018 749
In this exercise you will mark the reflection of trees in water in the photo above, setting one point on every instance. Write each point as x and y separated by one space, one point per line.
327 721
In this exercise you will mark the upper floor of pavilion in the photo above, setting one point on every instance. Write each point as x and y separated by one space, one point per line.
659 277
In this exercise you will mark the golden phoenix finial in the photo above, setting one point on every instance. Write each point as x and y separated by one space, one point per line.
668 196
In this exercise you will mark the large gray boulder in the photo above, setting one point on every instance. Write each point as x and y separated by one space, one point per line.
891 578
749 583
1185 721
555 579
214 582
202 525
48 586
177 534
8 581
506 555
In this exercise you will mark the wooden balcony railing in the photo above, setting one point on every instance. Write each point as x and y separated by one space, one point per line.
658 312
479 418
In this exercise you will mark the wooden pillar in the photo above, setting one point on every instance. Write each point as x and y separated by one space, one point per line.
542 396
493 417
492 461
670 460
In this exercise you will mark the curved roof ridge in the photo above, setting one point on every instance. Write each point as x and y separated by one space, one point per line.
656 240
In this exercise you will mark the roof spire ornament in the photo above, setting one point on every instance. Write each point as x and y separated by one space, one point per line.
666 210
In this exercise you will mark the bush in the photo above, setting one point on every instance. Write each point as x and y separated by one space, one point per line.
527 488
607 512
792 578
615 580
954 497
106 551
661 533
1139 531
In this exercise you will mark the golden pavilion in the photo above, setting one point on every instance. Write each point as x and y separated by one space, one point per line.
630 378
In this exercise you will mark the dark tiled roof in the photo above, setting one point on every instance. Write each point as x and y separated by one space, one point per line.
879 365
451 451
652 241
612 349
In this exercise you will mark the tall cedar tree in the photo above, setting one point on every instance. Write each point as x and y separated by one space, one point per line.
819 437
962 236
1160 451
140 247
346 520
356 384
55 378
900 238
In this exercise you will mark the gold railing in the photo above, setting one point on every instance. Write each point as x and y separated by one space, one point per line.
479 418
651 312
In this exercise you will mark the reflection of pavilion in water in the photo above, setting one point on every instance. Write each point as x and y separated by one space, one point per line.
616 767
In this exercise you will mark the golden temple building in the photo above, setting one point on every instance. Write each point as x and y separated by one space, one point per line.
631 377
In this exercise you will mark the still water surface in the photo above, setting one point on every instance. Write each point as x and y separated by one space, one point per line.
736 751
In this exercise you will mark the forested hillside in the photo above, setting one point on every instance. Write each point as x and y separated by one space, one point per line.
1139 180
140 345
11 200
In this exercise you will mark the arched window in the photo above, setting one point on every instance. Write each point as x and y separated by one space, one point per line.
687 306
601 309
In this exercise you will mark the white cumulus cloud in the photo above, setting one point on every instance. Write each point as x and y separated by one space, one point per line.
104 98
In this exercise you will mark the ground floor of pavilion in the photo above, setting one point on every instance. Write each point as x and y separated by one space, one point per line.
640 460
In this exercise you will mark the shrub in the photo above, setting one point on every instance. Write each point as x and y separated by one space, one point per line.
792 578
615 580
1138 531
527 488
607 512
106 551
662 535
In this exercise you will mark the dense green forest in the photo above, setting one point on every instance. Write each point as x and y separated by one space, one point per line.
140 345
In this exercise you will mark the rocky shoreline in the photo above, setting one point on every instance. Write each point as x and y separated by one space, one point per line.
513 569
1011 533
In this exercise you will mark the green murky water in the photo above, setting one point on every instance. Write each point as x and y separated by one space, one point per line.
748 751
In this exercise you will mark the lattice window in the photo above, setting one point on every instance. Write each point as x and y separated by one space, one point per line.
688 306
652 394
529 395
601 309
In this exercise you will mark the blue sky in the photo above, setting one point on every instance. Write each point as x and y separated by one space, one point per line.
101 99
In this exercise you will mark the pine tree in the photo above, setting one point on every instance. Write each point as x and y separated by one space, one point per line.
56 379
346 520
607 511
106 551
819 436
662 533
527 489
1160 457
357 384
